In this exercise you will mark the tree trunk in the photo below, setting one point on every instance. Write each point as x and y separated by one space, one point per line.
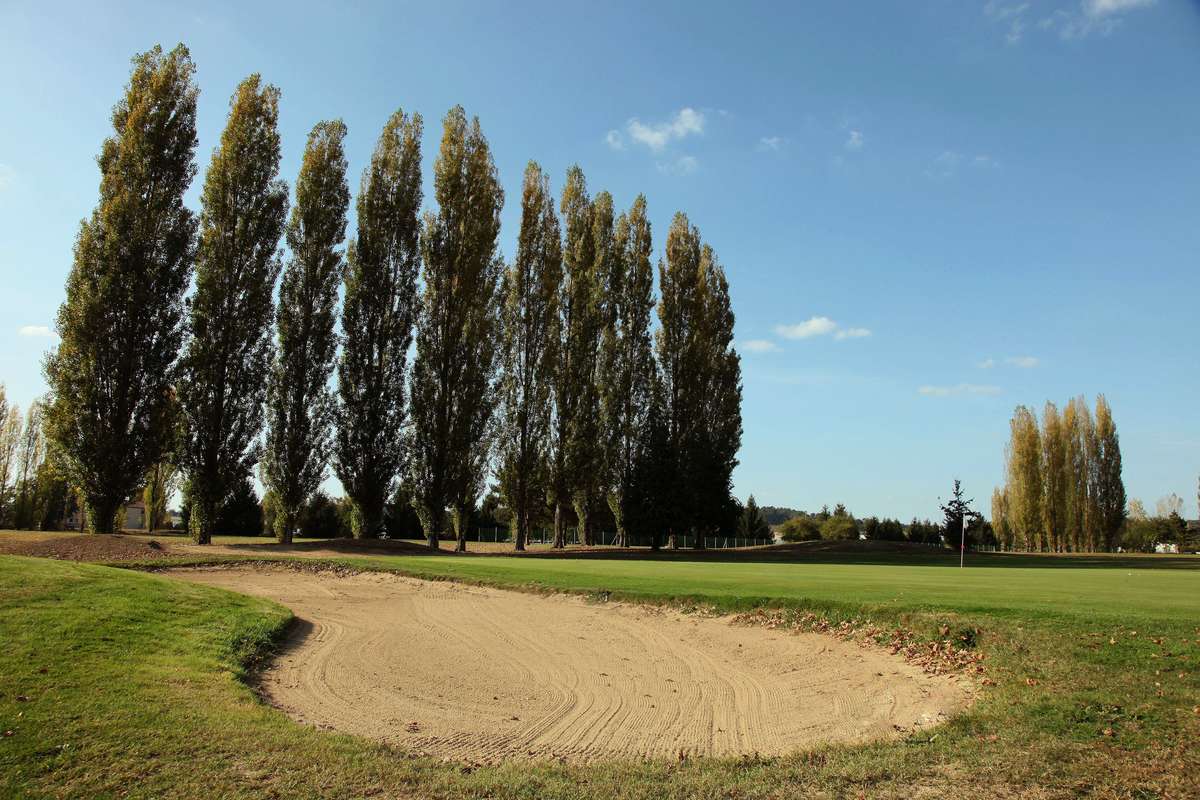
560 532
203 514
102 514
285 523
367 519
672 539
698 540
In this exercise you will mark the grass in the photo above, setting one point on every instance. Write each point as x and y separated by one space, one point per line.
143 692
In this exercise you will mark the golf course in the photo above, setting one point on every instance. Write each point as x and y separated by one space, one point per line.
126 681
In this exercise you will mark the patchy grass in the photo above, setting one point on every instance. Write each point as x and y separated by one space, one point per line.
121 684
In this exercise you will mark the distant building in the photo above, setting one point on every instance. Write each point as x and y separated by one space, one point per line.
133 517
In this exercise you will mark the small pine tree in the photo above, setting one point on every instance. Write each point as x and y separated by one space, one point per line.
752 525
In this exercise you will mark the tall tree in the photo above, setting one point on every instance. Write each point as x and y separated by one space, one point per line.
10 442
299 403
121 325
678 343
453 375
378 311
1080 436
29 461
574 374
1000 518
1110 487
1025 480
752 525
627 358
529 327
229 350
162 480
713 447
955 512
1056 480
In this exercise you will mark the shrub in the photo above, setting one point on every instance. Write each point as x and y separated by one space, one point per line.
839 527
800 529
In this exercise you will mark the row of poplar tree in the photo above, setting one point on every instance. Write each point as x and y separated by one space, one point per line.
1064 491
543 370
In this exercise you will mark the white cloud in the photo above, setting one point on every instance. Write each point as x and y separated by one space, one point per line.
987 363
6 176
961 388
1102 8
684 165
947 163
855 141
37 331
614 140
1091 16
1024 362
759 346
852 333
656 136
771 143
813 326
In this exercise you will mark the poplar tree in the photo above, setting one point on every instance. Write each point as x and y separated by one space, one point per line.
453 375
712 451
627 359
1057 477
377 323
1025 479
229 351
574 376
10 442
680 359
121 325
1079 434
1000 520
299 403
1109 486
529 328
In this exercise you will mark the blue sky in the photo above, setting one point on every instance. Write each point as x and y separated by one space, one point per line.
929 212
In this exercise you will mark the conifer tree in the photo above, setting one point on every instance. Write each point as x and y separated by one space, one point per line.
378 312
229 352
299 403
575 395
752 525
1109 486
120 327
453 375
627 358
529 325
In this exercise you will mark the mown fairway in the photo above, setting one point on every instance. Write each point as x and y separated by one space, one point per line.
121 684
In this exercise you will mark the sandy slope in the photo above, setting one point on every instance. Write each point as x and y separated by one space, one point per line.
483 674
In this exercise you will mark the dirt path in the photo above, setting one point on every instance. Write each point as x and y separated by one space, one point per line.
484 675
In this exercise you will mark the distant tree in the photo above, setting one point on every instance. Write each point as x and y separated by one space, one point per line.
802 528
120 327
1025 480
452 382
777 515
955 511
1057 474
1000 519
324 517
839 526
752 525
529 325
1168 505
162 480
924 532
229 351
30 456
299 404
1080 438
241 513
400 518
1109 485
626 358
378 312
1136 510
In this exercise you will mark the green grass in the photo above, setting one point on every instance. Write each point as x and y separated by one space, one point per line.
122 684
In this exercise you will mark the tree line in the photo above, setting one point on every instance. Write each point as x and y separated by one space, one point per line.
1063 490
543 371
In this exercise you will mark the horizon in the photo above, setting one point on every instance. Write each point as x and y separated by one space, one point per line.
965 210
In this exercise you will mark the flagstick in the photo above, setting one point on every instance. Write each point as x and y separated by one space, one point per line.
962 547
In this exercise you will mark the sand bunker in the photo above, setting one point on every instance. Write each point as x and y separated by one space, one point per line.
484 675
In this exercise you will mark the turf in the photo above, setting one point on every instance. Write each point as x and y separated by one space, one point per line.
116 683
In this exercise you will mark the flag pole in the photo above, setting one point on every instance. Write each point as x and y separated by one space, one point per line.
962 546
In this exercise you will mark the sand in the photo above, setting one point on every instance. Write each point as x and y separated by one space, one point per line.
485 675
